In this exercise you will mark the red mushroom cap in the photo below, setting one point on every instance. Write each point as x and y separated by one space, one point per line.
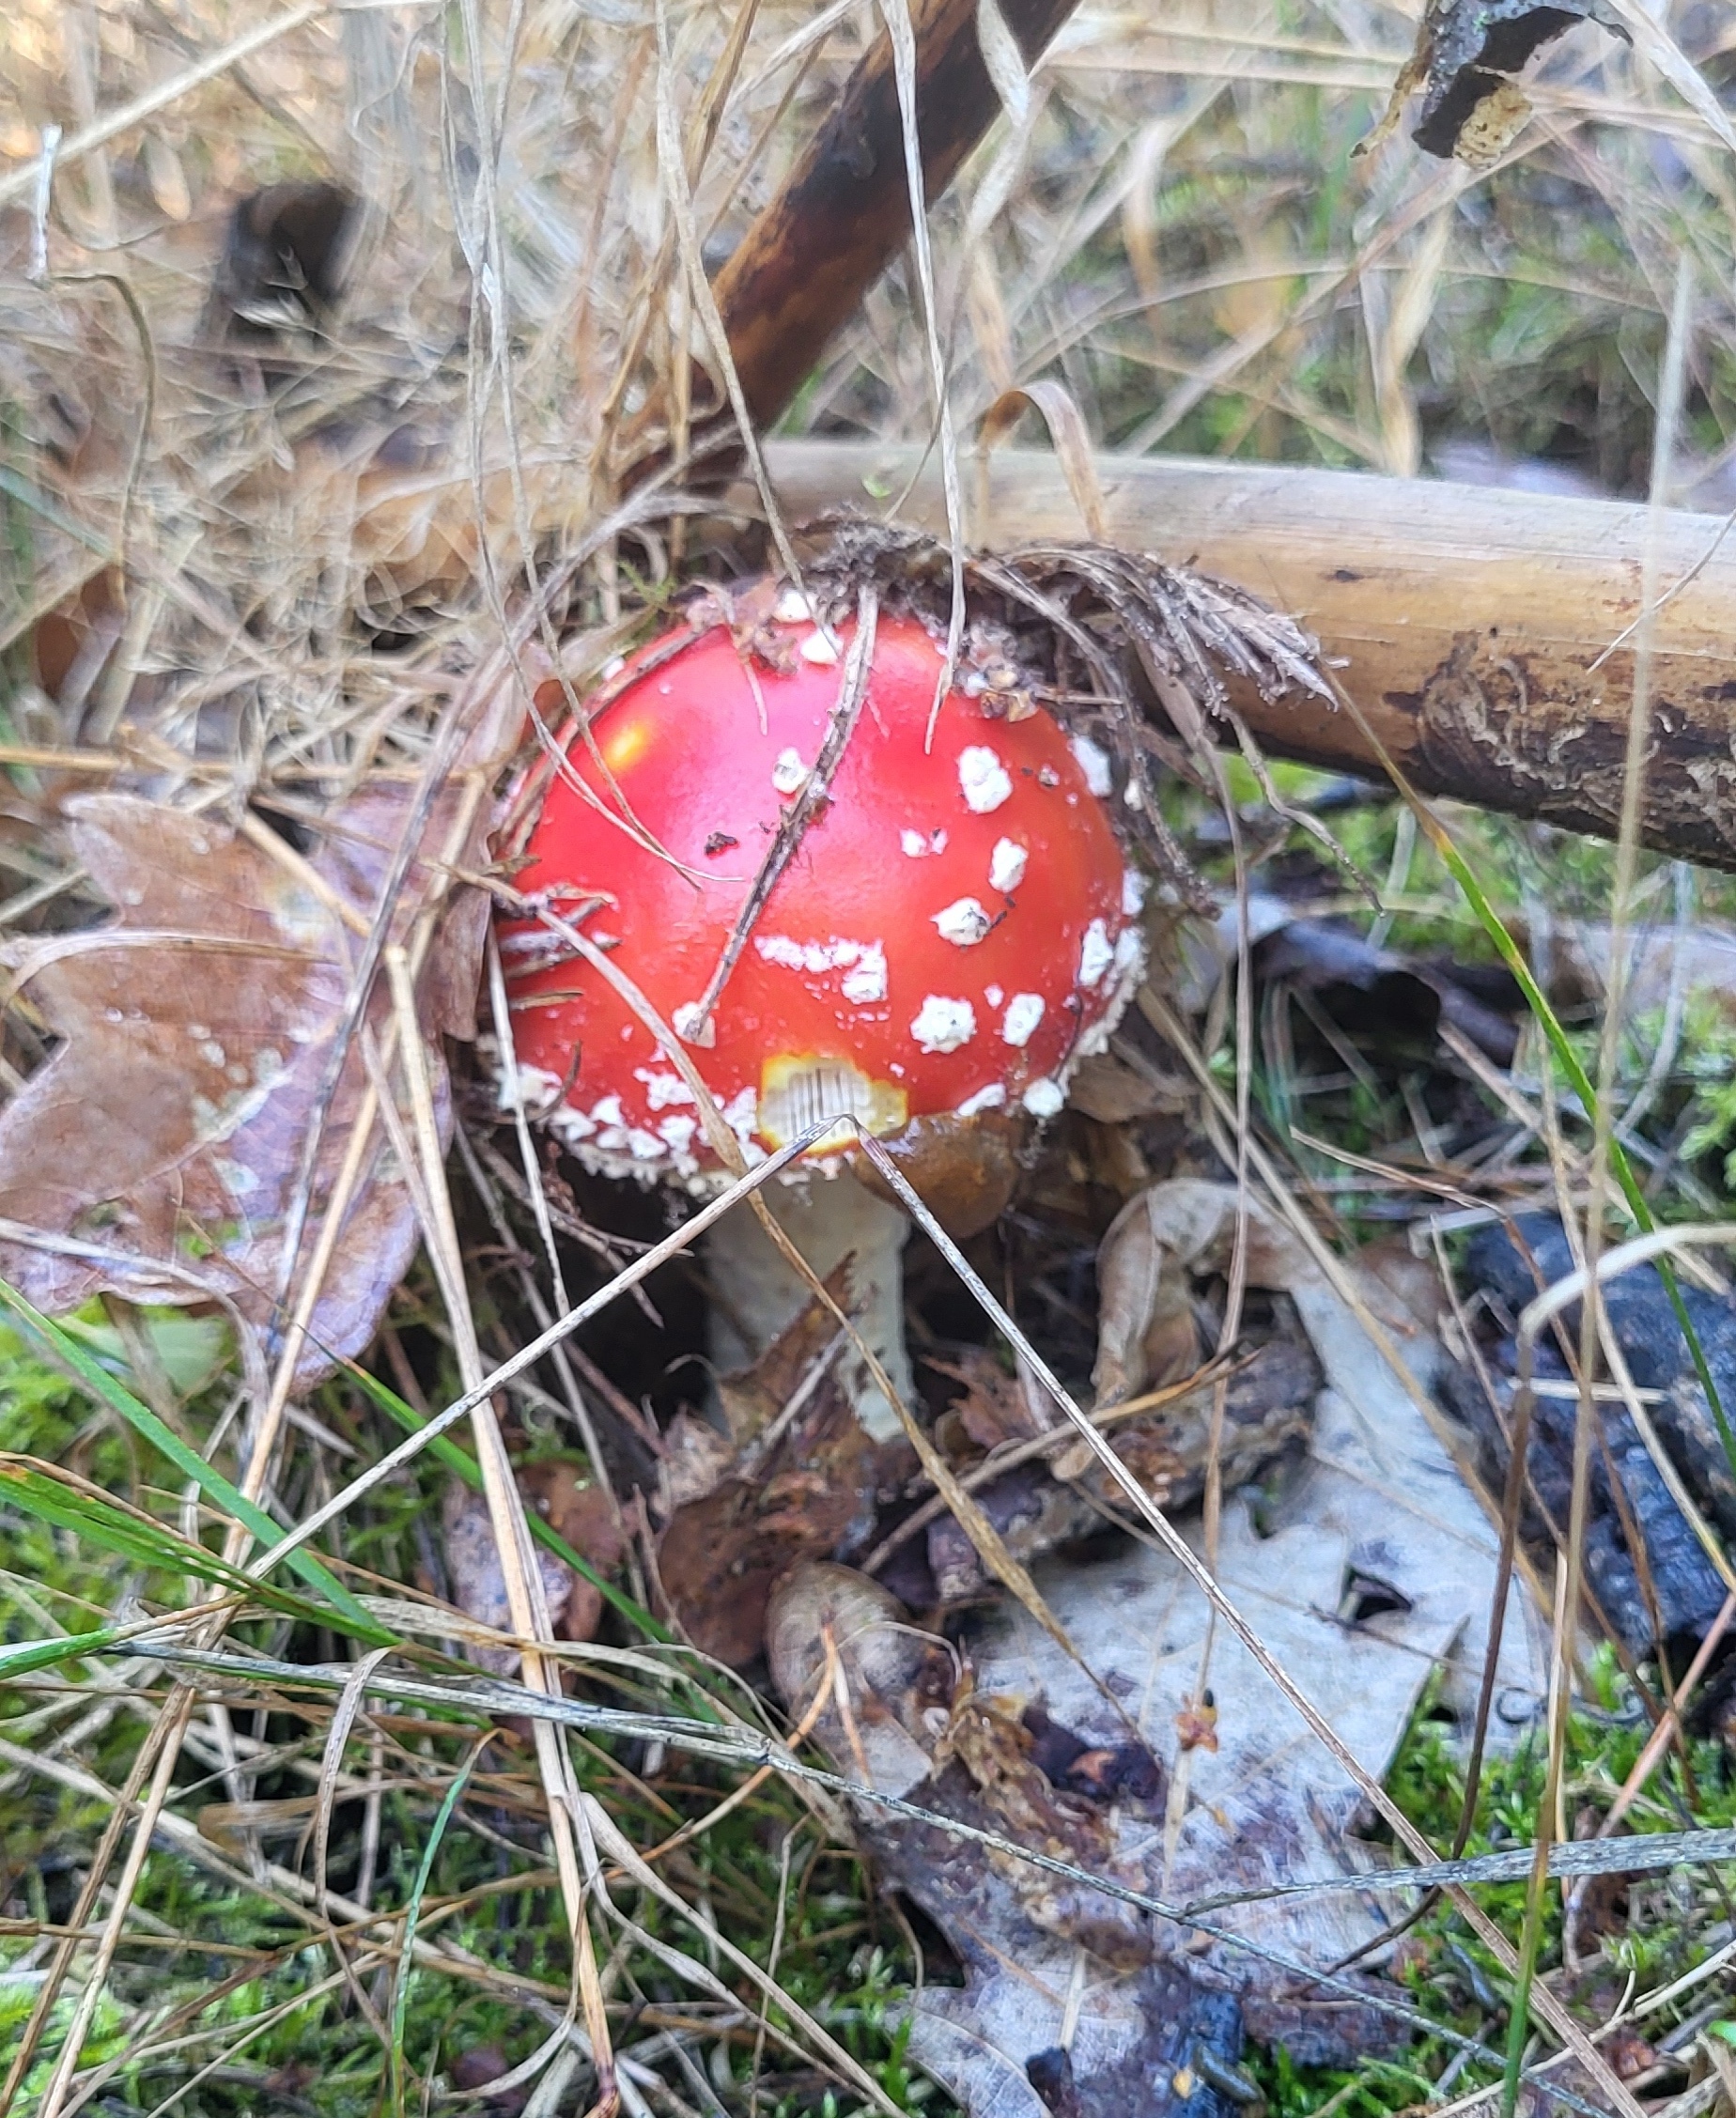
957 926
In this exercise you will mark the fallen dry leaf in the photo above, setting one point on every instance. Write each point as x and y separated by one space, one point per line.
796 1478
1145 1329
158 1153
1025 2038
478 1581
696 1461
719 1556
1372 1572
585 1516
995 1406
1038 1505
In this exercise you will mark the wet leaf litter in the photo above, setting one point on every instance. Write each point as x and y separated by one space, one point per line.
1173 1769
208 1037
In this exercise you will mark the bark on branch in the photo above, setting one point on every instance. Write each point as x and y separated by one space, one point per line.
843 211
1472 624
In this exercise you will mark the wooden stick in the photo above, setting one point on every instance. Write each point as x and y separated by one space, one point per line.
1473 624
843 211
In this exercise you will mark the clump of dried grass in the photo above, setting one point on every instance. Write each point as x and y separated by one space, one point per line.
1174 227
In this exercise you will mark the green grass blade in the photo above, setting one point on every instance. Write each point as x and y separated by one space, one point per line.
40 1491
1519 2020
412 1912
27 1655
1580 1082
162 1438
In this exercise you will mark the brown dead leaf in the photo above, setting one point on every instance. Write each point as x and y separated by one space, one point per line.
1628 2052
1028 1507
584 1515
1036 1506
1108 1089
741 1514
994 1407
478 1582
720 1556
1064 1981
1146 1333
698 1461
753 1397
158 1153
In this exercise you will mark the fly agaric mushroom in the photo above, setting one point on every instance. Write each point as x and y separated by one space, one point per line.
957 928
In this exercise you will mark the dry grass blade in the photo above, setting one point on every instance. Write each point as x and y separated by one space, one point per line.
901 31
349 1703
174 1719
523 1576
1661 49
1070 438
809 804
618 1850
21 182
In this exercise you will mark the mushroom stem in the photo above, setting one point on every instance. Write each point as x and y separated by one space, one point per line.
827 1218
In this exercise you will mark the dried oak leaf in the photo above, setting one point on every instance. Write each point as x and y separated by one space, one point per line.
795 1480
720 1556
993 1408
1068 2006
158 1153
1375 1569
585 1516
1037 1507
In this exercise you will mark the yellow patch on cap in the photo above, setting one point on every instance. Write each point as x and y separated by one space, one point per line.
799 1089
625 746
